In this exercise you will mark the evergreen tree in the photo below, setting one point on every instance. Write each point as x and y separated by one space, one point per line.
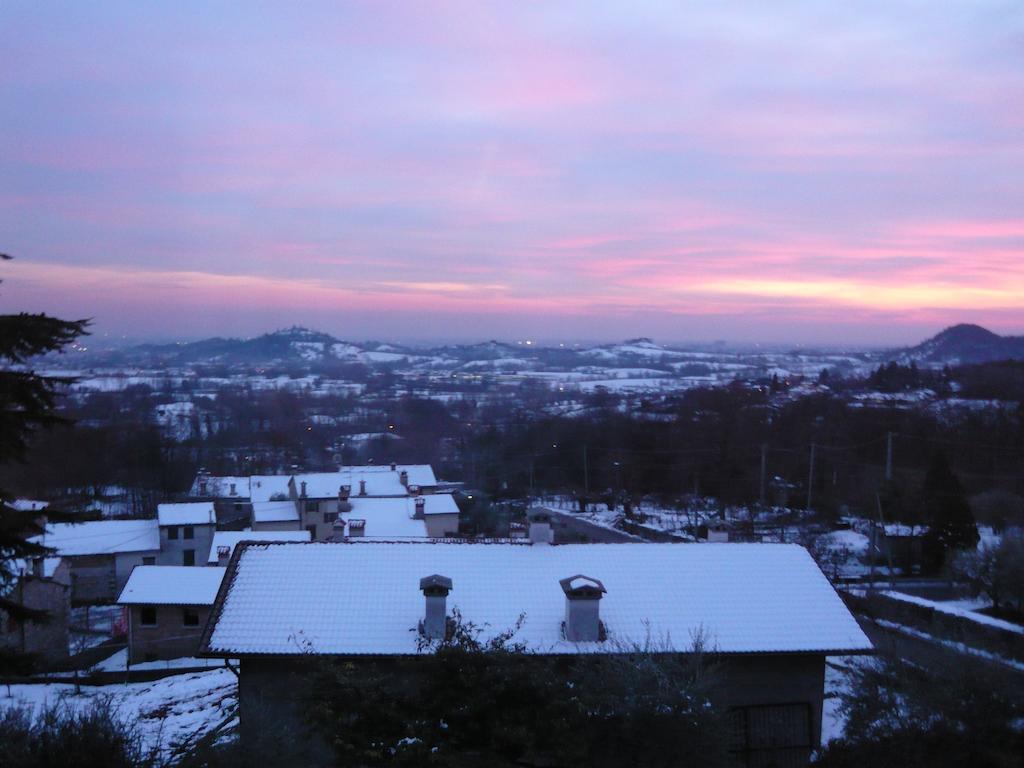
951 524
27 403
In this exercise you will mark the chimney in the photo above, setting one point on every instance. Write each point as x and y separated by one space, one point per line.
540 527
393 466
421 507
223 555
414 490
362 487
435 618
403 477
344 491
37 567
202 487
582 609
234 489
356 528
302 493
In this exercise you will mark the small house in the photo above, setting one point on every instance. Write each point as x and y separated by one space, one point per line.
40 584
186 532
167 607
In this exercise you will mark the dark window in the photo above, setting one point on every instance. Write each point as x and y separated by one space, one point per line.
190 617
190 532
147 616
150 657
311 506
312 531
771 735
149 561
172 532
188 557
330 517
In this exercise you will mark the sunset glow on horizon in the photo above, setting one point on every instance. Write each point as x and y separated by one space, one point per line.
793 172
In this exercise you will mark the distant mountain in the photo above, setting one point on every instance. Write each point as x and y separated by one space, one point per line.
965 343
295 344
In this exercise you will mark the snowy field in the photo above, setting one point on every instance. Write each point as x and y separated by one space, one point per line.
168 712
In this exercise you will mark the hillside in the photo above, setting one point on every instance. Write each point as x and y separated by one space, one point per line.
964 343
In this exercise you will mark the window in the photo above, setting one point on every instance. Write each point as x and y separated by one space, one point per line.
190 532
330 517
311 506
188 557
312 531
189 617
147 616
150 657
172 532
149 561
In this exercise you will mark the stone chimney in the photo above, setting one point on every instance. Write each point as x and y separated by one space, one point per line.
356 528
583 608
393 466
435 618
234 490
302 493
414 490
223 555
540 527
403 478
344 491
421 507
362 487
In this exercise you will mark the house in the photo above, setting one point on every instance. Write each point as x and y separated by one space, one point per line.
41 584
766 612
167 607
102 553
434 516
275 516
224 542
186 532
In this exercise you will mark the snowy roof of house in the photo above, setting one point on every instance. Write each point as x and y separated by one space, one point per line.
101 537
380 481
230 539
274 511
388 520
419 474
192 513
220 486
28 505
171 585
744 598
433 504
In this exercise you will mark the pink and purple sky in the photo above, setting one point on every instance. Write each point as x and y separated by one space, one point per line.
802 172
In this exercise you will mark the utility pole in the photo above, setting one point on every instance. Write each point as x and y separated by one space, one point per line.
764 468
810 478
888 456
586 472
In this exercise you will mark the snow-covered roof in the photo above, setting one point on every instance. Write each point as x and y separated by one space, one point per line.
419 474
433 504
171 585
274 512
380 481
745 598
192 513
219 487
28 505
101 537
230 539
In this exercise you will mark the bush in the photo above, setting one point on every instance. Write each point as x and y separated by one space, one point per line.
60 736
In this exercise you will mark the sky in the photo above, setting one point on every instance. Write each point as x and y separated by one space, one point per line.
848 173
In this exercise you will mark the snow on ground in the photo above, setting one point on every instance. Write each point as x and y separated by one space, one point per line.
167 711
